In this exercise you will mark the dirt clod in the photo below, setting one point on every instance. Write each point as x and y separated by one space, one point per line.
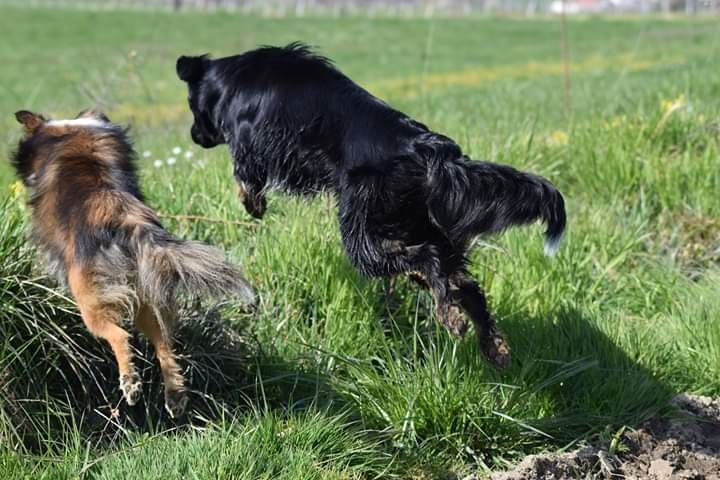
683 447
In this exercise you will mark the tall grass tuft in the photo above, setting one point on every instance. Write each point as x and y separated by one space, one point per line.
46 358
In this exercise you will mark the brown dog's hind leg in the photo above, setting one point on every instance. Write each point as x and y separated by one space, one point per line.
148 323
102 321
489 338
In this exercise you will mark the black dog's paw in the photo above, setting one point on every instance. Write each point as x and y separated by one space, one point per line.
451 315
495 348
255 206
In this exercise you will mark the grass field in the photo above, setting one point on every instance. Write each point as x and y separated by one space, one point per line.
326 379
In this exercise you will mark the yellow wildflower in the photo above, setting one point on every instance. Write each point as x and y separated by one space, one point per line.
669 106
558 137
615 122
16 189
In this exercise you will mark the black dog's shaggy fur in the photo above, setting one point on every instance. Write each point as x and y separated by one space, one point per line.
409 200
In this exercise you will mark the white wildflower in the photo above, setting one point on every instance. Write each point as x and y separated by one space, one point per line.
176 150
146 154
171 161
158 163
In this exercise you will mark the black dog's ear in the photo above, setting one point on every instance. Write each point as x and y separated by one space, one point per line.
31 121
190 69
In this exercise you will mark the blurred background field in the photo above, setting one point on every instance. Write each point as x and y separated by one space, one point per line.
410 8
327 379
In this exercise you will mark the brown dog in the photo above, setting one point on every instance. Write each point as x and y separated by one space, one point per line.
108 246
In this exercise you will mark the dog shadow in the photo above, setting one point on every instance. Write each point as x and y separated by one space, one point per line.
588 374
588 371
591 373
561 346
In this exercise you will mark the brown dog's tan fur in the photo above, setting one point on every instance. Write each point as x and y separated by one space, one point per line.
100 237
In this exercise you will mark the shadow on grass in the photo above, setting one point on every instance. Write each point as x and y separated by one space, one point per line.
574 377
592 377
590 369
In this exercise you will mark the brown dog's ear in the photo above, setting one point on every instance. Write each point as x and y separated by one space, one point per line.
31 121
190 69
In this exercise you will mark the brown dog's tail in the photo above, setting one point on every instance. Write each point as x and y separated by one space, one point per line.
169 267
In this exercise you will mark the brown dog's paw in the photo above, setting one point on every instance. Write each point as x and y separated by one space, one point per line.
453 317
495 348
175 402
131 387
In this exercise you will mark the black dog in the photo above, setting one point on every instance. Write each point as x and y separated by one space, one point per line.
409 200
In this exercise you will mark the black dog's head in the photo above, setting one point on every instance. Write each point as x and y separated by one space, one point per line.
203 99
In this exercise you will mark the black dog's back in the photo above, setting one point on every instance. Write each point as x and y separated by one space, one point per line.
316 106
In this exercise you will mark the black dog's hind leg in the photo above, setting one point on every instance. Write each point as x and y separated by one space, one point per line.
423 265
453 294
489 338
364 219
375 256
437 267
449 309
447 298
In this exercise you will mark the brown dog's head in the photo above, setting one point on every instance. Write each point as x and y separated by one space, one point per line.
25 159
88 118
42 136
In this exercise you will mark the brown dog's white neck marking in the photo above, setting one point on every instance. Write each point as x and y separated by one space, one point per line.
79 122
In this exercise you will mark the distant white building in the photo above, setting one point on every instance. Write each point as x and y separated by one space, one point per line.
598 6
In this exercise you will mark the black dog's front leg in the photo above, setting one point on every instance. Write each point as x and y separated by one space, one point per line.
251 178
253 201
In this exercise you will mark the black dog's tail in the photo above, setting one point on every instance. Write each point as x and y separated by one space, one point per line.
467 198
555 218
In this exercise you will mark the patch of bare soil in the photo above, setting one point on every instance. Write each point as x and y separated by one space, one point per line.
684 447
